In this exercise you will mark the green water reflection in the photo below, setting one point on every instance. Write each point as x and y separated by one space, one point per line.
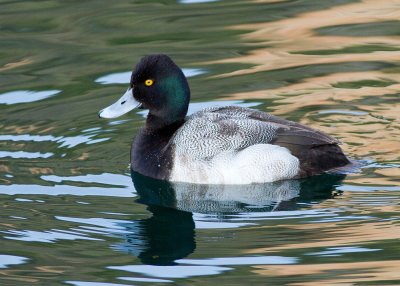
70 214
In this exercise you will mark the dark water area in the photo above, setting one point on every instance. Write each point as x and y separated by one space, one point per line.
71 212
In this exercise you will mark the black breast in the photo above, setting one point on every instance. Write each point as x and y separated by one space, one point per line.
152 153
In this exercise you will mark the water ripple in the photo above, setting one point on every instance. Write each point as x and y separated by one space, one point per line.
24 96
7 260
67 141
177 271
337 251
24 154
58 190
246 260
50 236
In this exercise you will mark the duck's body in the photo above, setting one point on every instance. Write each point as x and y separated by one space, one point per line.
234 145
223 145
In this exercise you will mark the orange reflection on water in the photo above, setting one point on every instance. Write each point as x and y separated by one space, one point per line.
335 273
334 234
374 134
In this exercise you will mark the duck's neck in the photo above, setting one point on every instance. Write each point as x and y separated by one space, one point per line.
162 124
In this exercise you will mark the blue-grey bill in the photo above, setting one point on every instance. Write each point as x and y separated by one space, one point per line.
125 104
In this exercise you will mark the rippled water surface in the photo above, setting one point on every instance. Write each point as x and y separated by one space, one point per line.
73 214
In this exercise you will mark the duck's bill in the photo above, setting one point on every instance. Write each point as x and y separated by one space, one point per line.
125 104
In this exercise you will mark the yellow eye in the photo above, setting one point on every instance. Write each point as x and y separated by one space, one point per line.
149 82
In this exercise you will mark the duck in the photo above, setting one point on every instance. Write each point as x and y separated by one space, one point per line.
217 145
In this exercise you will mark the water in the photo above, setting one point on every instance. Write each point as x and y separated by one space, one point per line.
70 213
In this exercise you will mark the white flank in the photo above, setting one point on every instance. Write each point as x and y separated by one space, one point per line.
258 163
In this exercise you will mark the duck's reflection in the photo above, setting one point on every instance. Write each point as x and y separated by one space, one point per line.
170 233
225 199
166 236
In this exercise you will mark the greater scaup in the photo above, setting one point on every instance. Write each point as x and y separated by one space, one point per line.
220 145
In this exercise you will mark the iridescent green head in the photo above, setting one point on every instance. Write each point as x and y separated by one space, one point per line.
159 85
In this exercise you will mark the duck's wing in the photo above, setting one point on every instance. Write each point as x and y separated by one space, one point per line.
287 132
208 132
315 150
213 130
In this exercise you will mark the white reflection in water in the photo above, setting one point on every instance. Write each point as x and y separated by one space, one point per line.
337 251
49 236
66 190
105 178
85 283
219 224
343 218
91 129
251 260
104 225
206 221
195 1
177 271
209 221
23 200
24 154
28 137
125 77
365 188
22 96
117 186
6 260
343 111
18 217
118 122
69 141
137 279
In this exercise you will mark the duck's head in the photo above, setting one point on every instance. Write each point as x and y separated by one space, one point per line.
159 85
